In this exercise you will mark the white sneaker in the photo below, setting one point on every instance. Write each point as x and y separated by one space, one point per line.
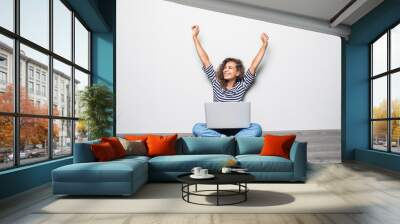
223 136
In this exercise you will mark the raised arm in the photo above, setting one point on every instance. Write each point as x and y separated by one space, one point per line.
257 59
200 51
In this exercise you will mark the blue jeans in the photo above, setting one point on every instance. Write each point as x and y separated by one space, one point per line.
201 130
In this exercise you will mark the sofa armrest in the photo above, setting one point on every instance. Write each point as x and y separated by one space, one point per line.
83 152
298 155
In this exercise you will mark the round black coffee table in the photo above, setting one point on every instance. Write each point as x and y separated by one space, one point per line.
238 179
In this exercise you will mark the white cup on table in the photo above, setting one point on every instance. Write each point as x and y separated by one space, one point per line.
203 172
196 171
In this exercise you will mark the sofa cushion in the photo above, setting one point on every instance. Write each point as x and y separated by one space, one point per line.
103 152
257 163
134 147
206 145
116 145
249 145
111 171
142 138
277 145
159 145
185 163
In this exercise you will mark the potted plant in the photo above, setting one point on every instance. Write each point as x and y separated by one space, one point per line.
96 102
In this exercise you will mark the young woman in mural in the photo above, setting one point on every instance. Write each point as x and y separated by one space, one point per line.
230 83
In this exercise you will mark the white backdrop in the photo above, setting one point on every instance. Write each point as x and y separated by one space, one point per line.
162 89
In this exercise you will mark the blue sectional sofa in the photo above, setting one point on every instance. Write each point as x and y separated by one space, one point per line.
125 176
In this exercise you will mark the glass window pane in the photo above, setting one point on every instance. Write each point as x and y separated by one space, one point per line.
379 135
34 78
395 135
62 138
6 142
33 139
81 81
81 45
7 14
395 47
62 29
6 74
81 131
34 21
379 55
62 89
395 94
379 97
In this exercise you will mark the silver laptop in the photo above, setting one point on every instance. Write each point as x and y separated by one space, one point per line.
228 115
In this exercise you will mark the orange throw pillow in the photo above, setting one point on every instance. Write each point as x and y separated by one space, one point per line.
116 145
103 152
275 145
161 145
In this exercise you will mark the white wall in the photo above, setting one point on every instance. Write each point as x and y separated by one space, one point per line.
161 87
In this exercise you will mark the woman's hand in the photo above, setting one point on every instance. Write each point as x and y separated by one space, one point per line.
195 30
257 59
200 51
264 39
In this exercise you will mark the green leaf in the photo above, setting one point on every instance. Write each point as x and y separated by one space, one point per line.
97 103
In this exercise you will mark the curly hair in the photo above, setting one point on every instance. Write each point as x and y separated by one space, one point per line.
220 72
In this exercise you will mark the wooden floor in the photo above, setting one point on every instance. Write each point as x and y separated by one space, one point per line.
379 190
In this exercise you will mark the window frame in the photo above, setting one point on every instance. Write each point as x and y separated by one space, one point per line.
5 59
388 74
3 77
16 114
3 70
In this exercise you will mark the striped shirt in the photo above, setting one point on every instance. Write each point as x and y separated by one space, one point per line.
236 94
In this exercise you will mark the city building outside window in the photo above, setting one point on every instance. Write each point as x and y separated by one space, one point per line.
3 78
3 61
37 89
57 129
30 72
30 87
3 71
37 75
44 77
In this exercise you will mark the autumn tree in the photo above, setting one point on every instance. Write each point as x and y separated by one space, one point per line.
380 127
81 129
6 122
33 131
395 123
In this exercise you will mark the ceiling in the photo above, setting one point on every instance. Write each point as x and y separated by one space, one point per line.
327 16
318 9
